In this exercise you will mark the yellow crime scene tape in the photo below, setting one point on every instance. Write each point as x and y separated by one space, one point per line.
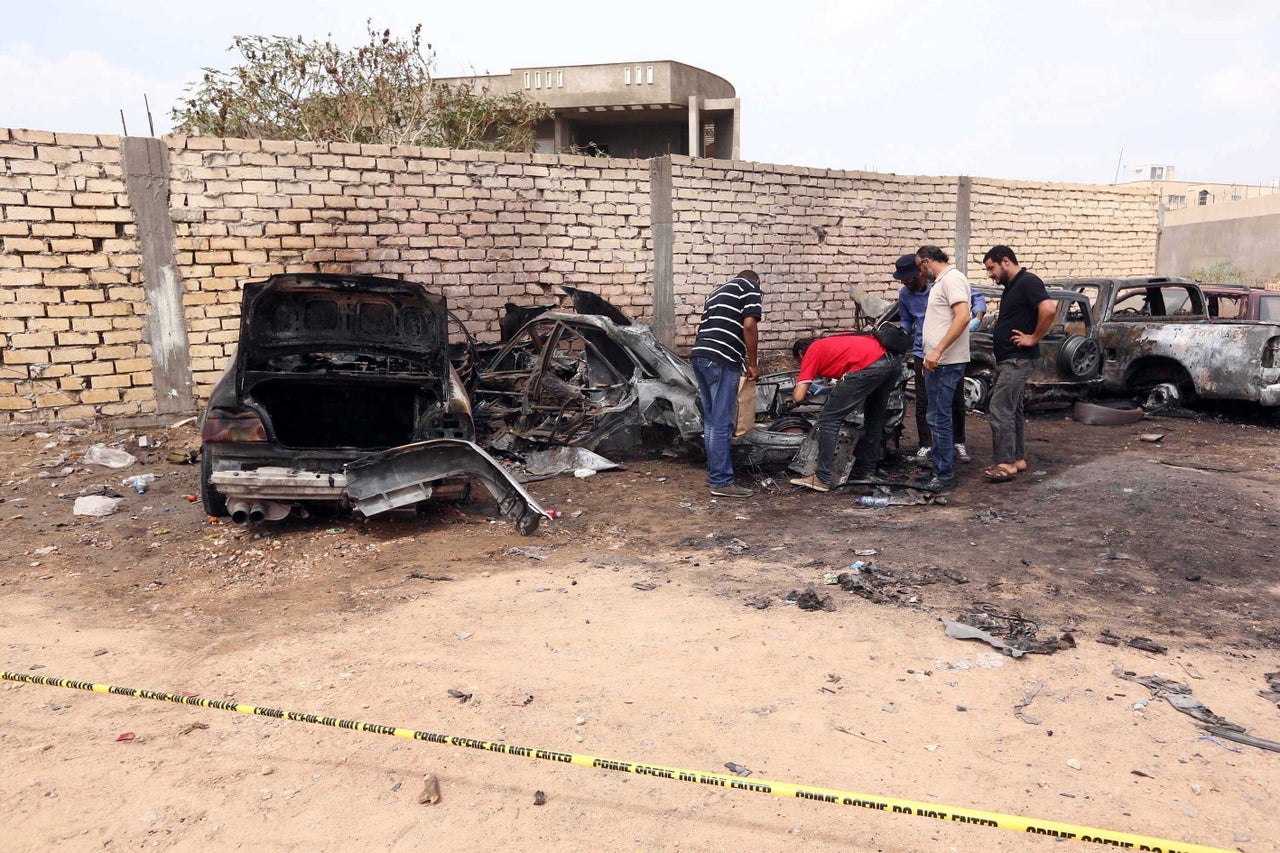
1013 823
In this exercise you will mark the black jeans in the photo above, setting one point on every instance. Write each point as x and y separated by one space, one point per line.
922 409
1008 424
872 385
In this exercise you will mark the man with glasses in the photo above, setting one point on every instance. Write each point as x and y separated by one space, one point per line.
945 342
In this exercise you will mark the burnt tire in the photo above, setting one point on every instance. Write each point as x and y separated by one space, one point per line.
1080 357
215 503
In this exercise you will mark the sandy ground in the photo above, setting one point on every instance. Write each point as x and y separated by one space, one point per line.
622 632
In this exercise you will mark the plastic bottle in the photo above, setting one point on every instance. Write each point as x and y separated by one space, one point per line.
139 483
871 500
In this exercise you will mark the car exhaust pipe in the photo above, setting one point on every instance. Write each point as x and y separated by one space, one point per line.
269 511
239 509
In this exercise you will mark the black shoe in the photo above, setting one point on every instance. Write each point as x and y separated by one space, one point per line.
938 486
858 475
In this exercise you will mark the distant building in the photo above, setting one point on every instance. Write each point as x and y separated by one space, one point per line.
628 109
1175 194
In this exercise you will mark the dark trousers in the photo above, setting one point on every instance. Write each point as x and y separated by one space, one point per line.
922 409
1008 425
872 385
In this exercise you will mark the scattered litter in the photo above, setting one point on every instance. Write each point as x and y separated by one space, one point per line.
458 694
183 422
462 635
989 660
584 473
533 552
334 531
759 603
1147 645
1027 700
1013 634
95 506
1179 696
959 664
1142 774
180 456
932 747
541 464
1074 764
736 769
430 790
126 737
419 576
139 482
1228 747
1151 437
810 600
961 631
1240 737
539 798
866 552
191 727
644 586
1272 693
108 457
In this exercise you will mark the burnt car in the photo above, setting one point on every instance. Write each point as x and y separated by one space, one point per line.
341 395
595 379
1071 356
1242 302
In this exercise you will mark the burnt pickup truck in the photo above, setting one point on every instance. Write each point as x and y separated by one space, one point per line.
1158 340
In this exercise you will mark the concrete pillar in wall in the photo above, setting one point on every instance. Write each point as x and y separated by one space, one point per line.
695 128
146 173
964 190
660 226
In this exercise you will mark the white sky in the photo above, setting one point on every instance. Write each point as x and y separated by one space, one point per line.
1023 89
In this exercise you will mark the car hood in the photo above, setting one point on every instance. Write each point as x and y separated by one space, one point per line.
323 312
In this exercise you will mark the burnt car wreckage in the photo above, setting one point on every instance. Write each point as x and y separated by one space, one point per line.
345 392
341 394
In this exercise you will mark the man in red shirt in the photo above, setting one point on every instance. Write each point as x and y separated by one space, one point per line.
865 372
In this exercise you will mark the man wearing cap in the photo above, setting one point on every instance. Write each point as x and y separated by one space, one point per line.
913 299
945 343
866 373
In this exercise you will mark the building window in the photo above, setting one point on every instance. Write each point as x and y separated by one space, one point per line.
548 78
639 78
560 79
1157 173
537 79
626 75
649 75
1236 197
527 77
1203 198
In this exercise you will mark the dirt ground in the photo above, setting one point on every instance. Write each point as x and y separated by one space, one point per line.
649 624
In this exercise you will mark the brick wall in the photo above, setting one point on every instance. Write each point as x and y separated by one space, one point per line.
72 305
813 235
484 228
1065 230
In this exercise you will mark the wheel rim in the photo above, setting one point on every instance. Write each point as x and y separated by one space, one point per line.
1085 360
974 391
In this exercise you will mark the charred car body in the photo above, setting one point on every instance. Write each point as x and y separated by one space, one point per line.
1158 340
341 393
595 379
1070 354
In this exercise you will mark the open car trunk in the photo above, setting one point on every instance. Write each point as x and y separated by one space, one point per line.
364 413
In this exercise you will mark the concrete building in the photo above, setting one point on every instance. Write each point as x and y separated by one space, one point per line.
628 109
1175 194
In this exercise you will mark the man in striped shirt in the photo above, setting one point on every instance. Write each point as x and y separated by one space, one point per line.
723 352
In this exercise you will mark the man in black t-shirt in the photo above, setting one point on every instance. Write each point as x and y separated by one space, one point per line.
1026 313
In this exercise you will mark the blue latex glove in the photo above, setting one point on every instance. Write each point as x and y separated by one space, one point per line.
974 323
816 390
